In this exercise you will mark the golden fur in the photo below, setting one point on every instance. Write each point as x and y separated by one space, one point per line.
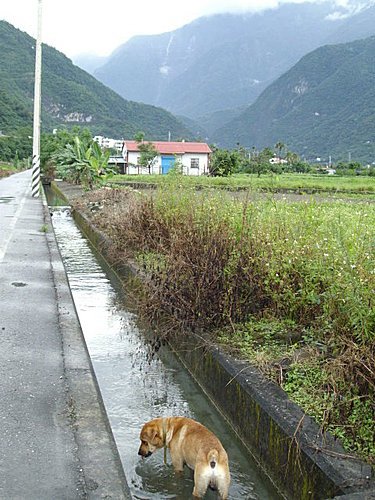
190 443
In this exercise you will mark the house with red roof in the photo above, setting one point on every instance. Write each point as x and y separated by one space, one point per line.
193 157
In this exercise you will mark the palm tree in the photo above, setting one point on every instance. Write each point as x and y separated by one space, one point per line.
279 146
292 158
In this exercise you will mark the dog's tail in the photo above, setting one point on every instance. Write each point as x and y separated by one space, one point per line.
213 457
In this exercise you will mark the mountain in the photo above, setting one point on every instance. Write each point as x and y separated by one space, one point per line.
218 62
89 62
324 105
70 96
212 121
357 26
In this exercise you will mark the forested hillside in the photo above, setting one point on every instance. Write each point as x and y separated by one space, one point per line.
324 105
70 96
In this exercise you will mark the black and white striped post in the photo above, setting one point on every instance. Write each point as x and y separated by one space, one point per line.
35 177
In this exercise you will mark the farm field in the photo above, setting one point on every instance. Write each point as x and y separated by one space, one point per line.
269 182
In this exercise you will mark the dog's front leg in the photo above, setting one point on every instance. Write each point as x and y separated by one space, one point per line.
177 460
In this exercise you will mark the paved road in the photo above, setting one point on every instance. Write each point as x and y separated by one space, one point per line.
55 440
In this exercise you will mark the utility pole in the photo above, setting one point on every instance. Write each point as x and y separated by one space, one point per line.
35 178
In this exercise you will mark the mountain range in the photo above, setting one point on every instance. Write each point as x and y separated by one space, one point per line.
323 106
222 63
70 96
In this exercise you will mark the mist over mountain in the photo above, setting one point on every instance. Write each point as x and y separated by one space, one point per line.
323 106
224 61
89 62
70 96
361 24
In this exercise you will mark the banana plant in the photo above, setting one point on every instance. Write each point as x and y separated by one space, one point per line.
82 163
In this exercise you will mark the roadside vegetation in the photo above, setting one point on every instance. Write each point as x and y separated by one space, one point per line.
75 157
288 286
7 169
71 155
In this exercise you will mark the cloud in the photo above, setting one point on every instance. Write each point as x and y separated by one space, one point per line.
348 8
97 27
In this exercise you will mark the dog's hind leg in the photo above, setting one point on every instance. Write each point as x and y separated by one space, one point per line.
223 488
201 482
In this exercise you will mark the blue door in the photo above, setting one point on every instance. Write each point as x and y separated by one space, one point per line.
167 163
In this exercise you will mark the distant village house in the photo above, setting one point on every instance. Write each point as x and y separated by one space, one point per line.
107 143
193 157
278 161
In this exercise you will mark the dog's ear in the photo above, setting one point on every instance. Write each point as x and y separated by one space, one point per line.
154 434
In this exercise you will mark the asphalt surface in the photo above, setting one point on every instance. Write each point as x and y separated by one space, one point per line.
55 439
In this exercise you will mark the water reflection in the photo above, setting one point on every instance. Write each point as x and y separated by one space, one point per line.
136 387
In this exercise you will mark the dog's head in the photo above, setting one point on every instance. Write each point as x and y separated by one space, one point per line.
152 437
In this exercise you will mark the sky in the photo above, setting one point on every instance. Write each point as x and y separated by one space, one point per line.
98 27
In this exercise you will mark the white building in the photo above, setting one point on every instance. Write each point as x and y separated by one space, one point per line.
107 143
193 156
277 161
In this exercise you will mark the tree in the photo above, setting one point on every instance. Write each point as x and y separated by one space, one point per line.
51 143
258 161
139 136
301 167
19 145
266 154
223 162
292 158
148 151
148 155
81 163
279 147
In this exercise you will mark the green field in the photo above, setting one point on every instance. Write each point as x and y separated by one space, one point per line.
295 182
7 169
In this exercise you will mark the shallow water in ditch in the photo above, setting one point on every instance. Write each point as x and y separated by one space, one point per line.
137 387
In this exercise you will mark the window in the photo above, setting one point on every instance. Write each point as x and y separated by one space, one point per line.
194 163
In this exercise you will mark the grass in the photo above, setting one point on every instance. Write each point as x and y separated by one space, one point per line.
269 182
7 169
288 286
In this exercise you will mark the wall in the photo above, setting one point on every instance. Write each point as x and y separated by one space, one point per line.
302 462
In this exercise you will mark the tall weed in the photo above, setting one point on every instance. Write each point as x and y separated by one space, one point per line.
212 263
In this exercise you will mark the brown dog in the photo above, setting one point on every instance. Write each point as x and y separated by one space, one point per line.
190 443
